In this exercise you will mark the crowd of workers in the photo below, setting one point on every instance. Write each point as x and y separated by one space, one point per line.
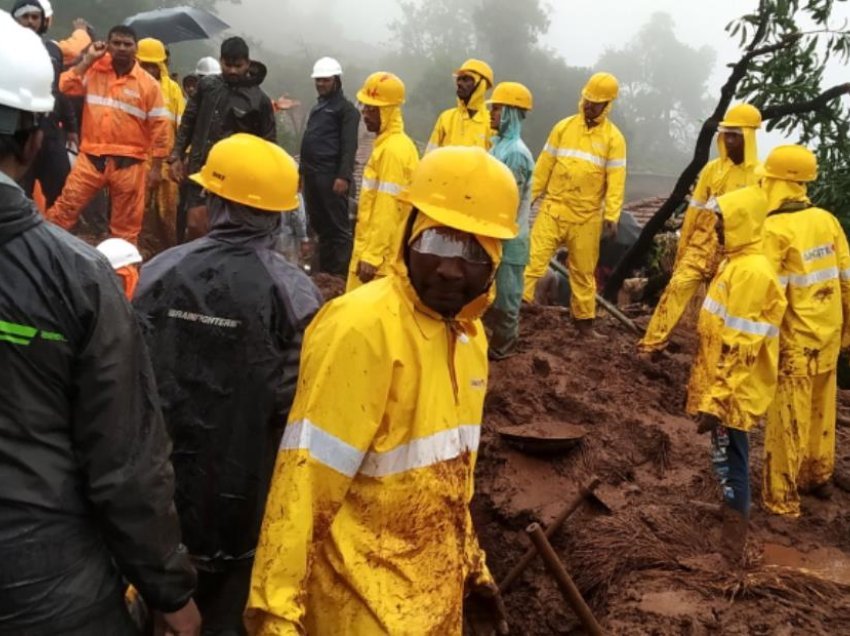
229 451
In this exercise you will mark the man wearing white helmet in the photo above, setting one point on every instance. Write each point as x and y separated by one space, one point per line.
86 486
327 165
228 102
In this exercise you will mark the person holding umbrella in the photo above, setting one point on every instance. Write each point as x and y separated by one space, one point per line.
224 104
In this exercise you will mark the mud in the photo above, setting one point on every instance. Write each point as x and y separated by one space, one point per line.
647 561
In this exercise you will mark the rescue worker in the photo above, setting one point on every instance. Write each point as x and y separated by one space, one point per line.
581 177
367 527
224 317
124 123
734 374
808 248
509 106
124 258
225 103
468 123
328 151
152 57
85 483
75 44
380 217
51 168
699 254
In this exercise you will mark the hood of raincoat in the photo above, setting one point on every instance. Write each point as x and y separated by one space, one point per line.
255 76
418 223
599 120
510 128
744 212
392 122
477 101
780 192
241 225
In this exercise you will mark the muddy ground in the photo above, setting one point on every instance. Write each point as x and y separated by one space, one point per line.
649 566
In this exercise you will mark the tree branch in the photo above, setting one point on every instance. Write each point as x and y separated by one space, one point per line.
797 108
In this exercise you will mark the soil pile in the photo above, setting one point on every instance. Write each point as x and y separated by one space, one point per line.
647 564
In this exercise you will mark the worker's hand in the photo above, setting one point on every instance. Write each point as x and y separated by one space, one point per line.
80 23
176 169
365 271
306 249
340 187
96 51
184 622
155 177
609 229
484 610
706 423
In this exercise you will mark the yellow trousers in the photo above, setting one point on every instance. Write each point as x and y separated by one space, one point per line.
799 440
550 232
691 271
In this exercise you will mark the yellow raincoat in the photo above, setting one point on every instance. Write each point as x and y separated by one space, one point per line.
809 250
168 191
367 527
380 218
455 127
734 373
699 253
581 175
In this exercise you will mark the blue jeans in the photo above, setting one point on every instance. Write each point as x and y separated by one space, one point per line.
730 456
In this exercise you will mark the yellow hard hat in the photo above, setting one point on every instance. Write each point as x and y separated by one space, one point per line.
479 67
790 163
465 188
742 116
600 88
512 94
382 89
252 171
151 51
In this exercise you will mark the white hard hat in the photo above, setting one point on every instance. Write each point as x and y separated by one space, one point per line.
326 67
208 66
48 8
27 77
119 252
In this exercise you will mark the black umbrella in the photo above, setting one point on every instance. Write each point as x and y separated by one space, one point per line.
176 24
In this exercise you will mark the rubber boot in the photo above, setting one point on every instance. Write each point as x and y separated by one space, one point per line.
822 491
733 535
586 330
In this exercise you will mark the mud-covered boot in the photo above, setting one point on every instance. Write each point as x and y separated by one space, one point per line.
822 491
586 330
733 535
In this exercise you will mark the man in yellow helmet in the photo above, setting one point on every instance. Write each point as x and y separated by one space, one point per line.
468 124
581 178
152 57
734 374
380 218
223 317
509 105
808 248
699 253
367 526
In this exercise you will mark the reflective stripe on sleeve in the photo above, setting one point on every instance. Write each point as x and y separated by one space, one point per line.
161 112
615 163
740 324
382 186
323 447
423 452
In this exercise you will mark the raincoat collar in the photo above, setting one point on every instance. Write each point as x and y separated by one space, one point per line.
477 101
744 212
779 192
104 65
240 225
392 123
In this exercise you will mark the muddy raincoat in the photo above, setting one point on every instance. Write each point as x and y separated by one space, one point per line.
367 527
503 316
581 177
699 252
455 126
808 248
380 218
734 374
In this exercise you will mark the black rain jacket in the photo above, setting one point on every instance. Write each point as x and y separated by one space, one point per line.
219 109
329 145
86 488
224 317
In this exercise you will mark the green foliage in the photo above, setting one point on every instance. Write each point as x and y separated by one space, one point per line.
794 74
663 94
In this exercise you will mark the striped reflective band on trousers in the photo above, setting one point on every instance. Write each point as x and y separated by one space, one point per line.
596 160
740 324
108 102
382 186
349 461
